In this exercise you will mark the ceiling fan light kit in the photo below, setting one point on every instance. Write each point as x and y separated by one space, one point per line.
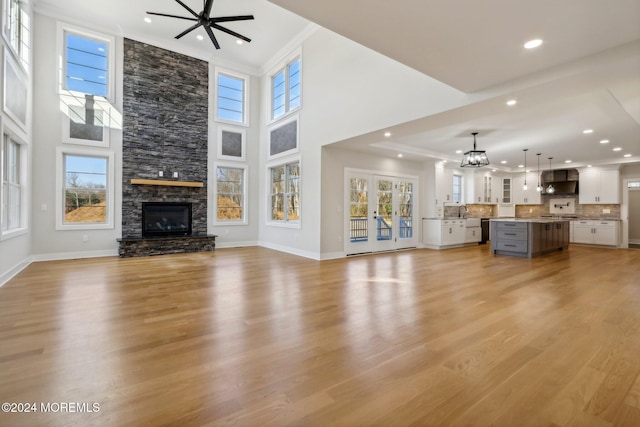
206 21
474 158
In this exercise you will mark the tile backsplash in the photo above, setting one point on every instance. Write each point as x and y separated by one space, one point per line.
582 211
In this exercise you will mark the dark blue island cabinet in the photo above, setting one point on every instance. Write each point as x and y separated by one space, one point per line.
528 238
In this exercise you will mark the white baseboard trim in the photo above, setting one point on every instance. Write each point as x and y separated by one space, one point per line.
14 271
290 250
634 241
332 255
74 255
229 245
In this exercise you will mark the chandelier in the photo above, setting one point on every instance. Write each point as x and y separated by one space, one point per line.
474 158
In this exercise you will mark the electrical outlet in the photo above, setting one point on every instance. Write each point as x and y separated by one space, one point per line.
160 174
44 207
530 210
85 237
606 210
175 174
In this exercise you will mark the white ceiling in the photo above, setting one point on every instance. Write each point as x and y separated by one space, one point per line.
585 75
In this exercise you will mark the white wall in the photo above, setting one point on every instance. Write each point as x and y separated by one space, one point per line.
15 250
246 234
47 242
348 90
334 162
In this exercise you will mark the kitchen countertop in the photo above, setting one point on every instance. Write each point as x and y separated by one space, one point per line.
532 220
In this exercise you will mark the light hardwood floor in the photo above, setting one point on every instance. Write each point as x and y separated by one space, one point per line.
254 337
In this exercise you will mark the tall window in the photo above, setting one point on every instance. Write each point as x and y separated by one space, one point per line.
286 87
12 186
457 189
285 192
86 65
18 27
231 98
230 186
86 189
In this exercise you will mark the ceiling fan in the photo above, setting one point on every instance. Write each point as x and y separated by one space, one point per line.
205 20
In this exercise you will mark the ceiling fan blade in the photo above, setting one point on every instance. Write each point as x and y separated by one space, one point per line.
231 18
228 31
172 16
211 36
207 8
191 11
188 30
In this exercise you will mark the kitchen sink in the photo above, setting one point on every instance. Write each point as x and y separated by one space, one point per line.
472 222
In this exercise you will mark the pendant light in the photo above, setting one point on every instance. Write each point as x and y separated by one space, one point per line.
539 187
474 158
550 189
524 187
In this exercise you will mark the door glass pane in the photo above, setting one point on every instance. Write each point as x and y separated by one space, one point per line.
405 198
359 210
384 210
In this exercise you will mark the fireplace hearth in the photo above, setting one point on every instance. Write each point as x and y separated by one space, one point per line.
163 219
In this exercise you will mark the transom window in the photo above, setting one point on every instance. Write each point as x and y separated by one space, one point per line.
285 192
230 186
286 87
231 98
86 65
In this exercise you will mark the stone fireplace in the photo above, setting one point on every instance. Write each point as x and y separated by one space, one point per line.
165 141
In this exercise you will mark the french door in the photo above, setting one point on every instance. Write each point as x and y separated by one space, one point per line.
379 214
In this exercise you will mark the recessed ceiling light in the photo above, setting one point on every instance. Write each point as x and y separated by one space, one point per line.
531 44
617 149
627 155
387 134
589 166
147 20
399 155
504 162
458 151
587 131
520 166
567 161
604 141
238 41
493 170
511 102
200 37
444 161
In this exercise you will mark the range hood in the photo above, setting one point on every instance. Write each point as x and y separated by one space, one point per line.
562 182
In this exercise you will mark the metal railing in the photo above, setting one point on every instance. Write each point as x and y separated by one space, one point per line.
359 229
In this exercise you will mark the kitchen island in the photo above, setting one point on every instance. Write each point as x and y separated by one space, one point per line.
528 238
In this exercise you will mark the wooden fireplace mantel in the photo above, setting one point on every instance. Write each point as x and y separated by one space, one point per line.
139 181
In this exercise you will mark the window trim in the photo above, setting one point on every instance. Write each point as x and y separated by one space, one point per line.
243 136
6 28
245 101
279 67
245 199
284 223
25 201
60 199
62 29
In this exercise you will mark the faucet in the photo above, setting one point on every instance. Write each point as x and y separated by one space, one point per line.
460 208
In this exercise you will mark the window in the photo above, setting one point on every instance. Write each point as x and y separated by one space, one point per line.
86 65
285 192
230 187
457 189
18 29
286 87
231 98
86 190
12 185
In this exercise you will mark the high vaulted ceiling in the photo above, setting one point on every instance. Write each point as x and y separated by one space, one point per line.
586 74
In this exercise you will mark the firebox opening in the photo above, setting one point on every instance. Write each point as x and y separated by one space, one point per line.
166 219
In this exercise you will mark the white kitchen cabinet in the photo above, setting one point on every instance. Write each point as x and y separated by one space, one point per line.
496 188
596 232
530 196
443 232
444 185
473 235
507 190
599 186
